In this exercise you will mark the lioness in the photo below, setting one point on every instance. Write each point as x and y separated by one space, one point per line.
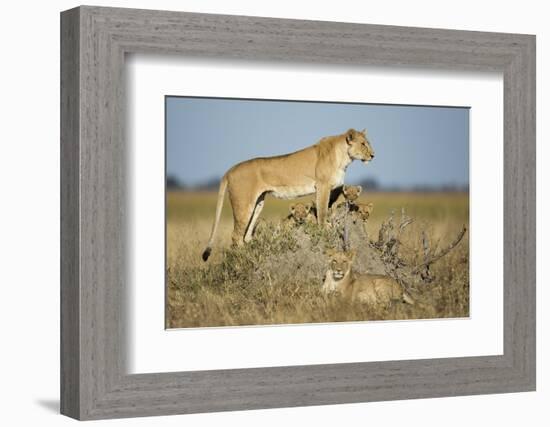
372 289
318 169
300 213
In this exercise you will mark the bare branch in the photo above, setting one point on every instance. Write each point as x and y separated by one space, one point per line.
425 246
434 258
405 221
390 220
382 235
345 234
404 224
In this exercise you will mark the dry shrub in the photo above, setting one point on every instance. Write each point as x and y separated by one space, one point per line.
276 278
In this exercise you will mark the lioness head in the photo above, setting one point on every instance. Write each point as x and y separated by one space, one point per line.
351 192
340 262
364 210
359 146
299 212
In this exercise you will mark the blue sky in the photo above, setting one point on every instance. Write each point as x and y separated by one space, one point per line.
414 145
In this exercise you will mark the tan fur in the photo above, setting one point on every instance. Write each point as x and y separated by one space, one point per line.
361 211
350 193
371 289
318 169
300 213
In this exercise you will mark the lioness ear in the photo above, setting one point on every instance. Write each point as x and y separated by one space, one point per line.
359 189
351 254
349 135
292 208
364 132
308 207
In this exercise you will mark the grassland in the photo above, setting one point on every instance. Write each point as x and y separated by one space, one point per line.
276 278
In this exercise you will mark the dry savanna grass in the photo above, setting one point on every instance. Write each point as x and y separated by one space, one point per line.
276 278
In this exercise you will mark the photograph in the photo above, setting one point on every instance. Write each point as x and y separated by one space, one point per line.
267 213
293 212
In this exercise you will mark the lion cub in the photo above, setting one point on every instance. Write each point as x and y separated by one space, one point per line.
350 193
361 211
300 213
372 289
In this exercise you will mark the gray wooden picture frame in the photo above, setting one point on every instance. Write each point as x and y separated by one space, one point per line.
94 381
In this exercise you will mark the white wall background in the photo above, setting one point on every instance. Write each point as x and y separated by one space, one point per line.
29 211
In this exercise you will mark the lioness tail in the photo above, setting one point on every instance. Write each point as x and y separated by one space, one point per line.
219 205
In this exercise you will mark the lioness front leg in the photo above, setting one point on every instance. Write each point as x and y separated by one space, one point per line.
335 195
322 199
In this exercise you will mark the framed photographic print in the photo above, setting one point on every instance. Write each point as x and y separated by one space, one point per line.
262 213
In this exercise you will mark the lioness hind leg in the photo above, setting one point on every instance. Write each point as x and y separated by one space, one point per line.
242 216
255 215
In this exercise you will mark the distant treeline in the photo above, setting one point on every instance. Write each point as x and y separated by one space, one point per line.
368 184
